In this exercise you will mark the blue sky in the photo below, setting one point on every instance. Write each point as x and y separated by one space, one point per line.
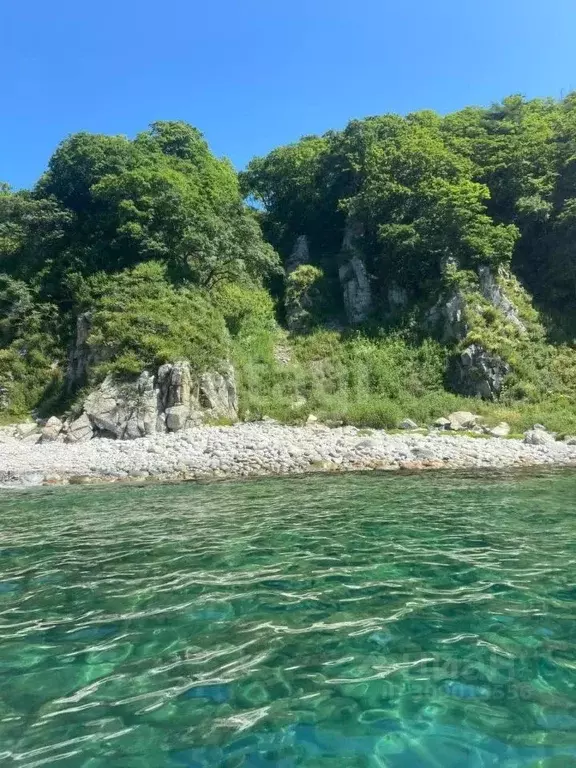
253 74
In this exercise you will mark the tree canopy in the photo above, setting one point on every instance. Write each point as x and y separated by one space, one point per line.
492 186
107 203
171 253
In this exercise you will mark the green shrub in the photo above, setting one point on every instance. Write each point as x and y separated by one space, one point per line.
31 355
246 308
301 297
139 320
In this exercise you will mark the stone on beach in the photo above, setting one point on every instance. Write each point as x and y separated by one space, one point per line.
500 430
260 448
538 437
462 420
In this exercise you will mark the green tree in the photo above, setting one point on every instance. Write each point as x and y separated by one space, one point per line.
108 203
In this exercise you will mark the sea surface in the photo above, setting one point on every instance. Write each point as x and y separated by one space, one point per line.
358 620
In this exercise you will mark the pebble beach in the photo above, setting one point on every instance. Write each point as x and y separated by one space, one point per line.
257 449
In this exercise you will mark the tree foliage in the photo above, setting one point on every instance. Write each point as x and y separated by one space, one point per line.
136 231
491 186
171 251
107 203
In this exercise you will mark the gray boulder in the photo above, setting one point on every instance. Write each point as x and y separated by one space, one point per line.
51 430
478 373
424 453
80 430
500 430
408 424
442 423
177 417
32 438
538 437
462 420
26 429
218 394
125 410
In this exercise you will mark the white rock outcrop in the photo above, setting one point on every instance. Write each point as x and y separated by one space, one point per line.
354 278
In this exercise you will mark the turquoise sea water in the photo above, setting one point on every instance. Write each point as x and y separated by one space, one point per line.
361 620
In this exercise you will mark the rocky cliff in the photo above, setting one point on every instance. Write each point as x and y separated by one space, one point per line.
170 399
353 274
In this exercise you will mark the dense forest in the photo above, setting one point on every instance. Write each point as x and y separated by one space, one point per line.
352 274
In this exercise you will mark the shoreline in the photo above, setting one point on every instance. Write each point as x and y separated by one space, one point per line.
261 449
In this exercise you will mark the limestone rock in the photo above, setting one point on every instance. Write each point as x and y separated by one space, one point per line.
51 430
177 417
173 399
48 435
442 423
26 429
300 254
570 440
79 430
353 275
218 393
177 385
500 430
447 318
125 410
178 392
32 438
538 437
312 419
492 291
460 420
408 424
478 373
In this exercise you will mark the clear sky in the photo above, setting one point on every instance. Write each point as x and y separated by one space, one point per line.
253 74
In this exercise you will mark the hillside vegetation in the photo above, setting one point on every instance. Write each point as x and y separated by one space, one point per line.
354 275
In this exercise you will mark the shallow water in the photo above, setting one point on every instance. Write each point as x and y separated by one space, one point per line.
360 620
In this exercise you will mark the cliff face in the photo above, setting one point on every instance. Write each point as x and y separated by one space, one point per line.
171 399
353 274
480 321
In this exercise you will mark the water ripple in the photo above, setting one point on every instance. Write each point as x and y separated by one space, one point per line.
346 621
